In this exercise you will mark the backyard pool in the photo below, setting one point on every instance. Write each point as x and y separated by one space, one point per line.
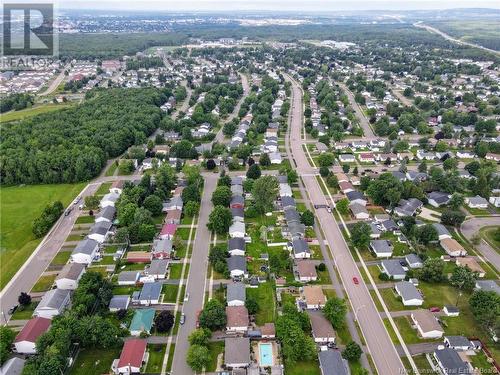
266 354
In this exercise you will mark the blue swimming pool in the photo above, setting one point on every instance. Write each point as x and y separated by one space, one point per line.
265 354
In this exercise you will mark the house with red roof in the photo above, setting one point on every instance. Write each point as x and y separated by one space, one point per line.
24 342
168 231
132 358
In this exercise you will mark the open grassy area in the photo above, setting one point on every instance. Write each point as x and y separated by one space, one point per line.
404 326
30 112
24 312
303 368
175 271
423 364
170 357
85 219
264 295
20 205
44 283
156 354
111 169
94 361
61 258
488 233
215 349
103 189
169 292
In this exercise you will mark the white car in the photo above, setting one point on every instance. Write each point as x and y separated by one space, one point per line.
186 297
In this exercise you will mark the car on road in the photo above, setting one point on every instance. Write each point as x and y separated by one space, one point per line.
434 309
68 211
198 319
12 310
183 318
186 297
355 280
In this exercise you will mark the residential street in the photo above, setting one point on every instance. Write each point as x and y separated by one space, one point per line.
363 121
195 285
380 346
472 226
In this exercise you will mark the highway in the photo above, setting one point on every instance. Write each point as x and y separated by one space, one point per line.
380 346
196 282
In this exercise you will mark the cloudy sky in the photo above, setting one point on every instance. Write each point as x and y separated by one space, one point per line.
283 5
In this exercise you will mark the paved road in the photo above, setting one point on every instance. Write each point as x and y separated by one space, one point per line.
363 121
197 278
380 346
56 82
470 227
452 39
36 264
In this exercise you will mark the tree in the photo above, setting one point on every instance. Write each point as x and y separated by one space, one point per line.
485 306
335 310
264 192
24 299
463 278
456 201
191 208
292 176
121 314
426 233
332 181
432 270
220 219
386 190
164 321
252 305
200 336
422 167
254 172
352 352
264 160
211 164
453 218
221 196
360 235
126 214
307 218
122 235
191 193
7 336
326 159
343 206
213 315
198 357
345 168
450 164
153 204
324 171
92 202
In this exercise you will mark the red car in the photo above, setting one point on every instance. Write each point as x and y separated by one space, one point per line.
355 280
434 309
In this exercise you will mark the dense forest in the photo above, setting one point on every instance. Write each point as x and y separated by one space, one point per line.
73 144
15 102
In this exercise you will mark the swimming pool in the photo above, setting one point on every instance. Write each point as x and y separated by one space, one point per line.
266 354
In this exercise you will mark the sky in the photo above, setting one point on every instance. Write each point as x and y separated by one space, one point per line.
280 5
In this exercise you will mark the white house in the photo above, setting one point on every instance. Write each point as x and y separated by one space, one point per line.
85 251
24 343
53 303
237 230
410 296
133 356
275 157
70 275
495 201
100 231
476 202
427 325
109 199
236 294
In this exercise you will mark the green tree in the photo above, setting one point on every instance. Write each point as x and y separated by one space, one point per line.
456 201
221 196
126 214
92 202
7 336
432 270
200 336
153 204
345 168
463 278
292 176
191 208
164 321
252 305
335 311
453 218
426 233
485 307
352 351
264 160
213 315
307 218
191 193
220 219
360 235
264 192
198 357
324 171
326 159
343 206
254 172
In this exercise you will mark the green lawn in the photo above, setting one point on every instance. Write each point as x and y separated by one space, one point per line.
30 112
423 364
264 295
156 354
44 283
488 233
303 368
215 349
111 170
175 271
94 361
20 205
104 188
24 313
61 258
170 292
124 289
183 233
170 357
404 326
85 219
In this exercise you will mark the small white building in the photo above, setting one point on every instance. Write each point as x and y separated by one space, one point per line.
24 343
85 251
70 275
53 303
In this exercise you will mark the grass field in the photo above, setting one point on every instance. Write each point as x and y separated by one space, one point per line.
30 112
94 361
61 258
20 205
264 295
215 349
156 354
482 32
44 283
170 292
303 368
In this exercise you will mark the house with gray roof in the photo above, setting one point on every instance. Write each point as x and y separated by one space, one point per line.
85 251
109 200
175 203
393 268
400 176
416 176
70 275
410 296
128 277
236 294
158 268
382 248
236 180
237 201
359 211
476 202
357 197
237 189
237 352
119 302
449 362
408 207
438 198
375 231
100 231
442 231
106 214
53 303
331 362
236 246
458 343
237 230
288 203
237 266
300 249
238 213
150 294
488 286
292 215
414 261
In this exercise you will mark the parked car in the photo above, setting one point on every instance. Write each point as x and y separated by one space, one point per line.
434 309
355 280
13 309
183 318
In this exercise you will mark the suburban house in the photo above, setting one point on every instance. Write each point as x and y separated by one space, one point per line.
100 231
150 294
128 277
106 214
53 303
313 297
472 264
410 296
237 230
452 247
132 358
162 249
426 323
70 275
495 201
109 200
168 231
237 352
346 187
382 248
476 202
306 271
393 269
237 319
85 251
408 207
359 211
237 266
449 362
142 321
357 197
321 327
25 341
459 343
438 198
157 269
237 201
238 214
488 285
300 249
119 302
414 261
442 231
331 362
236 246
173 216
117 187
236 294
288 203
